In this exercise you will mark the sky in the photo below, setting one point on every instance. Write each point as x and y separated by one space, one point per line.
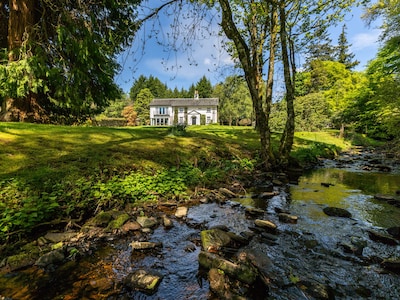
207 57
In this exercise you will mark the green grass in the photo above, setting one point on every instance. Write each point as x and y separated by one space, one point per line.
51 171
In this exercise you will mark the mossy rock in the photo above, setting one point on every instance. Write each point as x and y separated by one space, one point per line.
118 222
102 219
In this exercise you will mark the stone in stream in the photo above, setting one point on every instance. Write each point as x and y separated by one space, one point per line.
144 245
244 272
147 222
51 258
220 285
287 218
394 231
181 212
167 222
143 280
391 264
337 212
266 225
382 238
213 240
252 211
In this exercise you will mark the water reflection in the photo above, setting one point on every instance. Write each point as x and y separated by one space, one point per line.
350 190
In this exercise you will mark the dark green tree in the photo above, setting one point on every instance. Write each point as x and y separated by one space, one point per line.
156 87
142 105
204 87
343 51
60 57
320 46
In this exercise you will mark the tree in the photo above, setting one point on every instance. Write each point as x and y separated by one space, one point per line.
204 87
156 87
343 54
60 57
234 100
320 46
130 115
256 32
142 105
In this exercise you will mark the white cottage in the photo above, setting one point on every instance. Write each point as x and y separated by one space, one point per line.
189 111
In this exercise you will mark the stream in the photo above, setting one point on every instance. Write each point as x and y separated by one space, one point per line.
309 255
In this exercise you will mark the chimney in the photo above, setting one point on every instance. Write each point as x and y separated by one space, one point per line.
196 94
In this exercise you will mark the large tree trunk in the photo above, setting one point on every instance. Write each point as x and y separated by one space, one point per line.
251 62
270 76
289 74
21 21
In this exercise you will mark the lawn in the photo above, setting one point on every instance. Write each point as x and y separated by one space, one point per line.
49 171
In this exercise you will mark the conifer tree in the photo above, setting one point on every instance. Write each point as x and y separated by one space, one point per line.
343 51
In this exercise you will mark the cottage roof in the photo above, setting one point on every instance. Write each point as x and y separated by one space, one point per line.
185 102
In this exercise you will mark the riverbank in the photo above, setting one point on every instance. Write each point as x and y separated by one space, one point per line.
265 237
54 176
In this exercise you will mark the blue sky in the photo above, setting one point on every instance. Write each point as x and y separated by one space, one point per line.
208 58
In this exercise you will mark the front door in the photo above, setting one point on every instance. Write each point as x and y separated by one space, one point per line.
194 120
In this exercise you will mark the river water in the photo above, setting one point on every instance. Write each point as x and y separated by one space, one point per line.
308 258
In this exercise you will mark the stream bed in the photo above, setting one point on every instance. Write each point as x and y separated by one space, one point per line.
310 259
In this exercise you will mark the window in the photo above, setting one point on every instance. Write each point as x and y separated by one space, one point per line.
180 120
163 110
181 109
208 119
208 109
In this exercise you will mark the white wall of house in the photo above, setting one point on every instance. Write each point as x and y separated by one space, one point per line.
164 115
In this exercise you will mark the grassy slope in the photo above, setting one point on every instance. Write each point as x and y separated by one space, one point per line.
36 153
58 171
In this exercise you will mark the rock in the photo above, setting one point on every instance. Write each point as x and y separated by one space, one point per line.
266 195
147 222
356 247
130 226
381 237
260 260
144 245
56 237
227 193
280 210
243 272
167 222
118 222
220 286
277 182
326 184
146 281
238 239
265 224
286 218
391 264
213 240
217 282
181 212
337 212
384 197
252 211
19 261
51 258
394 231
101 219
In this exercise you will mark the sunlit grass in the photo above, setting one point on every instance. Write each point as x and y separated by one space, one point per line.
40 153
